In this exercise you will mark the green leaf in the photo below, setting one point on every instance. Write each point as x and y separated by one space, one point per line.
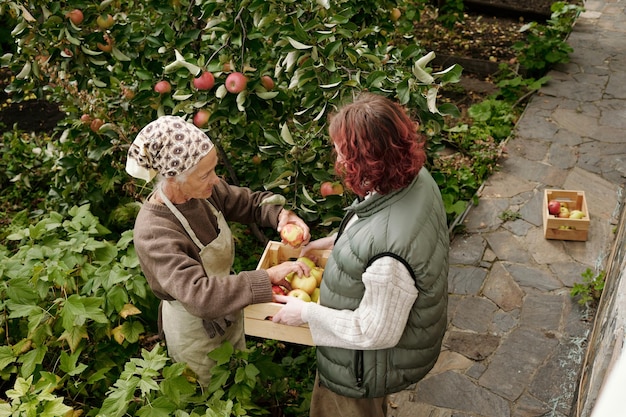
55 408
6 356
31 360
132 330
68 363
223 353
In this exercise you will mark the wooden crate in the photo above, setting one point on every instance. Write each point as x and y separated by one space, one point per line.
565 228
258 317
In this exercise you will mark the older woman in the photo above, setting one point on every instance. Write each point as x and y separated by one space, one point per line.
382 313
185 246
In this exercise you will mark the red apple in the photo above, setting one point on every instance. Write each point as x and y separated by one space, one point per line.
301 294
163 87
76 16
96 124
236 82
85 118
105 21
201 118
554 207
292 234
329 188
205 81
278 290
267 82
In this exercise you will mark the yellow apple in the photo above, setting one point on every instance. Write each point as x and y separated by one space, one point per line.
301 294
576 214
317 272
308 261
316 295
305 283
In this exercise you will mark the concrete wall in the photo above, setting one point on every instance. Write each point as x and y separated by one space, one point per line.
601 389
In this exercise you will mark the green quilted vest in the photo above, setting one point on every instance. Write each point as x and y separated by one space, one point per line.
410 225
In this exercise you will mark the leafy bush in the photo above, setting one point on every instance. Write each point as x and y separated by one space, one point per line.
546 45
73 305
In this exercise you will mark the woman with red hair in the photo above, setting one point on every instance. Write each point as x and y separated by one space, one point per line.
381 315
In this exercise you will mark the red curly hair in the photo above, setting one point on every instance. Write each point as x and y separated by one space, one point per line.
377 144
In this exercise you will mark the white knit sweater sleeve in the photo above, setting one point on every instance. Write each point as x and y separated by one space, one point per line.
379 320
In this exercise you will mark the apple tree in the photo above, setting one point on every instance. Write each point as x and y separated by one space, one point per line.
103 69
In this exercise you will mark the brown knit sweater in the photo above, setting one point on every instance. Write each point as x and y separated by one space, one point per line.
171 263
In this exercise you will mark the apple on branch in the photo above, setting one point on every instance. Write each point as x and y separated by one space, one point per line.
105 21
76 16
163 87
329 188
236 82
205 81
267 82
201 118
292 234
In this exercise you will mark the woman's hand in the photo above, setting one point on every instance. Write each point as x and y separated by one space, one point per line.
279 272
291 313
325 243
287 216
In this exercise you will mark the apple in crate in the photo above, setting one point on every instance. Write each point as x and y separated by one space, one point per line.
301 294
576 214
278 290
307 284
292 234
564 212
554 207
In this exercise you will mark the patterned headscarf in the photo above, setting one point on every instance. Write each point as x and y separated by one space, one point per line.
168 146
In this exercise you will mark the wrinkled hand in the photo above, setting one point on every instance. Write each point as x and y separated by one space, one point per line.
279 272
291 313
288 216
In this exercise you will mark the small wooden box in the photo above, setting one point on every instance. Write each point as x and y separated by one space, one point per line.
565 228
257 317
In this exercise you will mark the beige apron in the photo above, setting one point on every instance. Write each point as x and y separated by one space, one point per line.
189 338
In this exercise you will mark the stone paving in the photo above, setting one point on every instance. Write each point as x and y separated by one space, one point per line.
516 338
